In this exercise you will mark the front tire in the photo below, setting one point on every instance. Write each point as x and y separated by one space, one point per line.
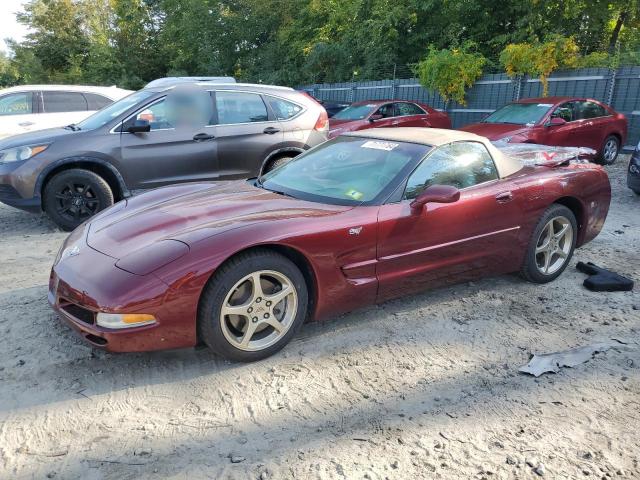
252 306
73 196
551 245
278 162
610 150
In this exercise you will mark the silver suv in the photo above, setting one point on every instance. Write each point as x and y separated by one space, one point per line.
181 131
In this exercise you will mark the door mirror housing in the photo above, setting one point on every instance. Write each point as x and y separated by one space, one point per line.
435 194
376 117
557 121
139 126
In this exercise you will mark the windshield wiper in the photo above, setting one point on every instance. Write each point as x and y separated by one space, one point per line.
73 127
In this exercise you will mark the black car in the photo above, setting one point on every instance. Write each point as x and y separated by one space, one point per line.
633 173
174 131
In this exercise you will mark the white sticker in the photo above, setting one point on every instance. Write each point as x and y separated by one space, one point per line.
545 105
380 145
372 105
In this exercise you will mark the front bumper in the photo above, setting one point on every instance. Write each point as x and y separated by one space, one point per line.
11 182
88 282
633 172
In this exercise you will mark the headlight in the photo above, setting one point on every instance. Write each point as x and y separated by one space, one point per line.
20 154
124 320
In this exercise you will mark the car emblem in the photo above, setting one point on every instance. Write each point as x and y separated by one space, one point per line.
75 251
355 231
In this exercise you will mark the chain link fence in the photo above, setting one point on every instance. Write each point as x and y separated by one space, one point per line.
618 88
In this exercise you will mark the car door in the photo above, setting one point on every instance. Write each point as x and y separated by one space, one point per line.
409 115
246 132
387 115
17 112
593 119
178 148
445 243
566 135
61 108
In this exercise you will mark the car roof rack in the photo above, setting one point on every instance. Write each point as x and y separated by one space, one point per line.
171 81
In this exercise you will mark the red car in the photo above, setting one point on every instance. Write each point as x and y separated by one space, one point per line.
386 113
362 218
561 121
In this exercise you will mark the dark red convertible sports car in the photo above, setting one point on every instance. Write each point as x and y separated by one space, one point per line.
360 219
560 121
386 114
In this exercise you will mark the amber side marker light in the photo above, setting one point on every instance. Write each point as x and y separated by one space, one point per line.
124 320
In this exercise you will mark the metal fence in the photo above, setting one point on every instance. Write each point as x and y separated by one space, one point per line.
619 88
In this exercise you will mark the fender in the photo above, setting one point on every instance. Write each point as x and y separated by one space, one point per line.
81 159
279 151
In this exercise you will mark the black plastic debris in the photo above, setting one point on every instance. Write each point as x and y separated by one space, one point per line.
601 280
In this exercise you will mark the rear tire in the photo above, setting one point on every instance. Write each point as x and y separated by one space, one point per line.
551 245
243 323
278 162
73 196
610 150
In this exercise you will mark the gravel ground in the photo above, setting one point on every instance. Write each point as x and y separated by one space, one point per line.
424 387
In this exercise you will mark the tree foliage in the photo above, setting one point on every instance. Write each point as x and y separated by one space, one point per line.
129 42
450 72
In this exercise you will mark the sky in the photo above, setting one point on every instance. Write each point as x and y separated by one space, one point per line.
9 27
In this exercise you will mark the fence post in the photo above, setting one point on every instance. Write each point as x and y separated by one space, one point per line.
352 92
612 86
518 89
394 88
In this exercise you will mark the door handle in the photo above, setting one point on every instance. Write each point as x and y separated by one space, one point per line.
504 197
203 137
271 130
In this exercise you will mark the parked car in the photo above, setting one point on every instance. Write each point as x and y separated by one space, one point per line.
333 107
363 218
386 113
157 136
561 121
28 108
633 172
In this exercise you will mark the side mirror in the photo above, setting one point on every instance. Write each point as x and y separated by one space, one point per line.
375 117
139 126
435 194
557 121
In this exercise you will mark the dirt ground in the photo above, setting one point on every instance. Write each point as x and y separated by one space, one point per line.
424 387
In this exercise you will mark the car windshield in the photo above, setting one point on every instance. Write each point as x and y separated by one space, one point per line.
355 112
346 170
519 113
104 116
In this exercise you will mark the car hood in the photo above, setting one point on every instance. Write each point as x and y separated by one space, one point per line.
495 131
337 127
192 212
48 135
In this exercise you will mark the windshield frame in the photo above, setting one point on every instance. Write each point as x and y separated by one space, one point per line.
380 199
118 118
539 121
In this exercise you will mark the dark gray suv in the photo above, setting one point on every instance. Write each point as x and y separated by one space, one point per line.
180 132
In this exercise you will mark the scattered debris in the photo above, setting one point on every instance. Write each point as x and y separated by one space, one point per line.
237 459
601 280
553 362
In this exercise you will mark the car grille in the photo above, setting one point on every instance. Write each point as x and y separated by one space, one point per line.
77 312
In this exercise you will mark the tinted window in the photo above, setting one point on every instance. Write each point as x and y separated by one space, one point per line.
282 109
460 164
565 111
406 109
96 102
238 107
590 110
519 113
346 170
386 111
57 102
16 104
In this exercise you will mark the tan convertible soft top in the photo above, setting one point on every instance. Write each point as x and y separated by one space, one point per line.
438 136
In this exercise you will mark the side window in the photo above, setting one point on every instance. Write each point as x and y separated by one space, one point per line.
282 109
406 109
459 164
156 114
565 111
590 110
16 104
240 107
97 102
387 111
59 102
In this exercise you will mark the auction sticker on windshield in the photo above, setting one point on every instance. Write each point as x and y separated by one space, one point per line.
378 145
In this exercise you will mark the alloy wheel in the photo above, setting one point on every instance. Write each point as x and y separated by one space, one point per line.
610 150
258 310
77 201
554 245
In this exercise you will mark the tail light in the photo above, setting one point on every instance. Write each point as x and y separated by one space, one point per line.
322 125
